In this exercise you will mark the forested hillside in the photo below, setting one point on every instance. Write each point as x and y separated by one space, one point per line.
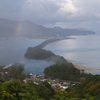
38 53
65 71
12 87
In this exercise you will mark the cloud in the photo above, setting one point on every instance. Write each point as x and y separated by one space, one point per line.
10 9
41 10
62 10
65 13
88 9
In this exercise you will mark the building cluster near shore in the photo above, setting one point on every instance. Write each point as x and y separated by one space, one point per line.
55 83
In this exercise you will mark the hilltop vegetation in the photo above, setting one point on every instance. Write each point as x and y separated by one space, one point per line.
65 71
15 71
90 87
38 53
13 88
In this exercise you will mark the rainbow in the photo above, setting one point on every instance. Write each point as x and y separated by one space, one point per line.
19 24
18 28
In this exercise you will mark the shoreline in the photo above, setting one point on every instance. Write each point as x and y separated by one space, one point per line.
85 68
80 67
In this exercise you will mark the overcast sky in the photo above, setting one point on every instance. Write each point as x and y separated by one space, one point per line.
64 13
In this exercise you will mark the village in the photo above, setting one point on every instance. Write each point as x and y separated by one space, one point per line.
54 82
39 79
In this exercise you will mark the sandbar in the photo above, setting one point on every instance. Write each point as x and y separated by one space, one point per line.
84 67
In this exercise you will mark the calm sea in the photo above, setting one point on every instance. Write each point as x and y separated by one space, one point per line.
84 50
12 51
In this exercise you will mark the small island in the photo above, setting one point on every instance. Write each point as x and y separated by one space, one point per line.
38 52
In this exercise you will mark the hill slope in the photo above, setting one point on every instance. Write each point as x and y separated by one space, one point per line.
29 29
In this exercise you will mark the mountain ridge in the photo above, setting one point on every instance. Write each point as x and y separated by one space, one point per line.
28 29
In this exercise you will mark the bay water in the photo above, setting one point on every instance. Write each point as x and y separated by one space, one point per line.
83 50
12 51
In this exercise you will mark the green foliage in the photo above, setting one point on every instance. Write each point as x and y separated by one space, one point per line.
89 89
64 71
1 68
97 97
16 90
11 89
47 85
38 53
13 72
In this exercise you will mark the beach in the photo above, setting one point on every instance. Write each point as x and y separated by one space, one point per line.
83 67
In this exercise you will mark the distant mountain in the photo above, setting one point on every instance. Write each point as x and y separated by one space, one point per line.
27 29
68 31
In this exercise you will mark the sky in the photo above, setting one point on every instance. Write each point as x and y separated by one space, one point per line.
50 13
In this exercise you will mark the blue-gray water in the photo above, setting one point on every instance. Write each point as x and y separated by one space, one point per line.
12 51
84 50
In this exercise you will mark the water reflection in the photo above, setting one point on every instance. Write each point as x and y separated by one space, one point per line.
84 50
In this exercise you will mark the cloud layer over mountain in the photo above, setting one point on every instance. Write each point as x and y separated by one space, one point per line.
64 13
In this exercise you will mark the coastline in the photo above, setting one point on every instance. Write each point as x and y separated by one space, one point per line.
80 67
84 67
